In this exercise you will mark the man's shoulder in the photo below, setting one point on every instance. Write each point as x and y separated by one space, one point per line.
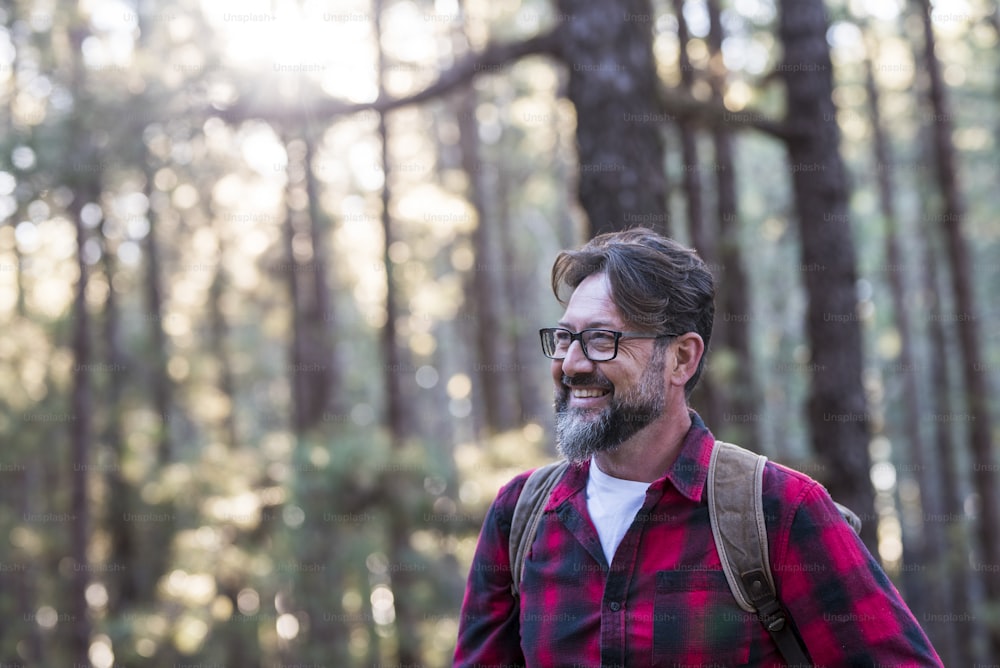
785 484
787 475
509 492
779 480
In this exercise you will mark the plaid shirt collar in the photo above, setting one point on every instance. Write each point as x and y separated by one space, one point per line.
689 472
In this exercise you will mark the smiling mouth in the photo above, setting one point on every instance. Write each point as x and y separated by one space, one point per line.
588 393
589 386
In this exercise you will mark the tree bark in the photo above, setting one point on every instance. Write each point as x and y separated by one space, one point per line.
162 385
26 583
86 188
148 538
395 483
521 314
10 130
701 237
123 590
312 378
392 368
710 394
974 372
923 551
162 388
608 50
156 560
80 443
219 332
953 519
311 368
493 357
321 316
732 290
297 351
837 410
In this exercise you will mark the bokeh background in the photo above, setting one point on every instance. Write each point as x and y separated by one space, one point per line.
271 274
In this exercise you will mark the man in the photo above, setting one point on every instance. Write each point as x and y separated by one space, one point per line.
624 570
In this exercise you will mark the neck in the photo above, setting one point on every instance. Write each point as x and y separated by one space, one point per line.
650 452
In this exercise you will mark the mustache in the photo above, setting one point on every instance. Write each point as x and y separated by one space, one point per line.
587 380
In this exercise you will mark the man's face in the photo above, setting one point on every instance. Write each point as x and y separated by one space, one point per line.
600 405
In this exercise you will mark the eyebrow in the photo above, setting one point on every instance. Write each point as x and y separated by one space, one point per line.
599 324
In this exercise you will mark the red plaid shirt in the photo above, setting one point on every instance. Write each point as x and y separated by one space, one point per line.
665 601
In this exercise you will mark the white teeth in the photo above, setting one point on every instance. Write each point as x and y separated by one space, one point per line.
585 393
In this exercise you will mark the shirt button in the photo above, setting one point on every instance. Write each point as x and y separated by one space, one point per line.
615 606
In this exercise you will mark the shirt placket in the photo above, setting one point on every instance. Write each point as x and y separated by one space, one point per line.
614 605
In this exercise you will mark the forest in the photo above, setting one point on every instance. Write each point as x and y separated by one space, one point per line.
271 275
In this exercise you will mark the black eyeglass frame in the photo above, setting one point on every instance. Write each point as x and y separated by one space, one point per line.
578 336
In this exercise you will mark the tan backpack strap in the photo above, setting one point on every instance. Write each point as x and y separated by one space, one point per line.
528 514
736 513
735 509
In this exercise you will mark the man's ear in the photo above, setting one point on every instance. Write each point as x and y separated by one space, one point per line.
688 350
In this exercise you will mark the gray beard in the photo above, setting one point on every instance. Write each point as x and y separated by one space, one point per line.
581 434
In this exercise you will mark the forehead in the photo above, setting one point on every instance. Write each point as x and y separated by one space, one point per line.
591 305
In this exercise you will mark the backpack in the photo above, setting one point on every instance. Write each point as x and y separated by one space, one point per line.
735 485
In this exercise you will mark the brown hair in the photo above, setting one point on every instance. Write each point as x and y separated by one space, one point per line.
659 285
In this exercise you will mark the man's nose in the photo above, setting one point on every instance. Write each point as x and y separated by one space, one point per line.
575 361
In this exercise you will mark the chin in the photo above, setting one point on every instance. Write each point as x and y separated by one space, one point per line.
582 434
581 454
587 414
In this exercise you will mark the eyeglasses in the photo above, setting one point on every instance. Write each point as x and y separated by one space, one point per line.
598 345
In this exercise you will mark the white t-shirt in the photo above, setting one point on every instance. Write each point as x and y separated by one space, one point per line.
612 504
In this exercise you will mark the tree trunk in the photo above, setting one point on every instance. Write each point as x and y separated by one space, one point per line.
923 550
719 396
123 590
395 482
151 540
219 332
732 335
317 580
312 362
571 228
80 443
392 369
837 410
317 570
86 189
614 86
701 237
521 317
492 327
974 373
26 583
240 633
320 316
296 353
13 16
953 520
162 384
709 396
